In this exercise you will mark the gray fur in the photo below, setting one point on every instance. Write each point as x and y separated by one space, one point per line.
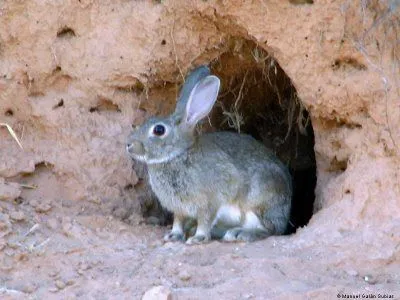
200 177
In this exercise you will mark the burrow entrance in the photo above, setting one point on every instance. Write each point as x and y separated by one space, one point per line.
259 99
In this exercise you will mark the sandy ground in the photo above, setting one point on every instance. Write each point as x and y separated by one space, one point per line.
76 252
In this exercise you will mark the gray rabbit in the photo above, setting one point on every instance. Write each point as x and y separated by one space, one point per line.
234 187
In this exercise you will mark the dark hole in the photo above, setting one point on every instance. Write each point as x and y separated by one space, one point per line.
65 32
163 42
19 200
345 63
9 113
137 87
105 105
128 187
57 69
39 167
59 104
304 182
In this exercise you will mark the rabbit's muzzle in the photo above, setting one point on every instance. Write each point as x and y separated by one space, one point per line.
135 148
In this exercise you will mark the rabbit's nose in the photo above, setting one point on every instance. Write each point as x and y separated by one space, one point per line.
135 147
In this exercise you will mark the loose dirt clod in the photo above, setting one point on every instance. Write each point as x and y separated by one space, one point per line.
5 225
17 216
9 191
41 206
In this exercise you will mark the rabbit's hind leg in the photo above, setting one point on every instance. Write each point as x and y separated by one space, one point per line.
251 230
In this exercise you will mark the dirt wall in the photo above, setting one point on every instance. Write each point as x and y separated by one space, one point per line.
75 75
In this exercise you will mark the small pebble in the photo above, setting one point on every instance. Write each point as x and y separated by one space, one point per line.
21 257
53 290
3 244
70 282
43 207
84 266
40 206
352 272
54 273
52 223
80 271
29 288
17 216
184 276
158 293
13 244
67 228
369 279
5 225
60 284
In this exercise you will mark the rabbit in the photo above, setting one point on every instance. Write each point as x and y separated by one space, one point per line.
231 184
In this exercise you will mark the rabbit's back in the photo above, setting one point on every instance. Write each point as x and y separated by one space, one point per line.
248 154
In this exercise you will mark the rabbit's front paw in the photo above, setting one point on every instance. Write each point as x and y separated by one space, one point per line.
174 237
198 239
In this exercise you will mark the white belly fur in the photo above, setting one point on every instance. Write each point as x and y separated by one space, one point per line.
228 215
232 216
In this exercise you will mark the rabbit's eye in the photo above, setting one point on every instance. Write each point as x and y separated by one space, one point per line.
159 130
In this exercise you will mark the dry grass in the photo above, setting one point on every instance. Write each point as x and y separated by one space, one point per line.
12 133
232 116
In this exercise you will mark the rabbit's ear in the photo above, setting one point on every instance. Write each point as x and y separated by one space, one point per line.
201 100
190 82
